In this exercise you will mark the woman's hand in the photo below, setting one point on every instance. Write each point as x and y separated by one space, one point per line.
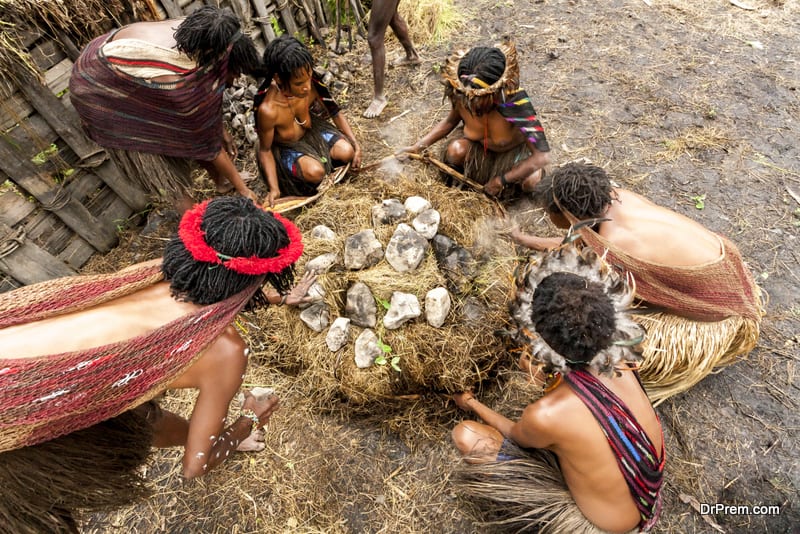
416 148
249 193
272 196
356 156
494 186
228 144
463 399
297 295
516 234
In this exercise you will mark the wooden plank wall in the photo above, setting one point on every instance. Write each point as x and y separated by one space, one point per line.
61 199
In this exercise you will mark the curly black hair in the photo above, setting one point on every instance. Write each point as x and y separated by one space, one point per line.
284 56
574 316
233 226
582 189
484 63
480 67
206 34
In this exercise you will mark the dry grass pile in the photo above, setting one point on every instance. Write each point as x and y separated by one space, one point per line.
78 20
446 359
431 21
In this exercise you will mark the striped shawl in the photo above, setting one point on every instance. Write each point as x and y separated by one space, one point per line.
120 111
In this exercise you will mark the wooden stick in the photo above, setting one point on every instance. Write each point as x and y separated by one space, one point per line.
398 116
263 20
312 25
447 169
357 15
338 25
371 166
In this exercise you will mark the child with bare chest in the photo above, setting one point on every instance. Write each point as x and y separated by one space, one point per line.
298 146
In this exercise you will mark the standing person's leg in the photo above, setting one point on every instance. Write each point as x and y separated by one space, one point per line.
380 16
400 29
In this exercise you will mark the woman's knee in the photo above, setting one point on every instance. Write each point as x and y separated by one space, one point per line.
376 37
313 170
464 436
457 151
343 151
476 440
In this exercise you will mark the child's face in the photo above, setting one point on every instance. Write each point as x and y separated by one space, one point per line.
299 84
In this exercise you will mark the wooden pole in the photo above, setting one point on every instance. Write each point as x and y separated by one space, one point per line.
322 17
66 124
263 20
288 18
75 215
312 25
358 15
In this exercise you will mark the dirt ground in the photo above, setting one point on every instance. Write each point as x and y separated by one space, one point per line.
692 104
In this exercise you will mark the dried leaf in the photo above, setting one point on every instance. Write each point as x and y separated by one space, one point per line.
742 5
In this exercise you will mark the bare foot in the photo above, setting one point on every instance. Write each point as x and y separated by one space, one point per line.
224 187
375 107
406 61
253 443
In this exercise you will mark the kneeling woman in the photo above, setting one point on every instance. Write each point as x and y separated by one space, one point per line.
587 455
81 357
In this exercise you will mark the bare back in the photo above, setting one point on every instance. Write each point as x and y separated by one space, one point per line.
656 234
118 320
159 33
500 135
589 466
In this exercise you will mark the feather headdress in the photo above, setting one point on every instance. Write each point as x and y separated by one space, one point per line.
587 264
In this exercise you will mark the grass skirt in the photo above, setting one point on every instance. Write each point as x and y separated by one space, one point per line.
45 487
679 352
161 177
311 144
481 166
526 494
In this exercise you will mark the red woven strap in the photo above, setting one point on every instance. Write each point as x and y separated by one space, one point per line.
709 292
63 295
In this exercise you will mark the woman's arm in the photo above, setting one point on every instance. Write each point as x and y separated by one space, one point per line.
535 242
467 401
444 127
223 167
266 160
341 122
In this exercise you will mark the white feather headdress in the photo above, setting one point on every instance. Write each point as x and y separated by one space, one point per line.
587 264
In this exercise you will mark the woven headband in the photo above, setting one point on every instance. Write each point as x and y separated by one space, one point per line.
193 238
460 85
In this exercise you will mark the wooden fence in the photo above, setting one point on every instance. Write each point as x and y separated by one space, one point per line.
61 199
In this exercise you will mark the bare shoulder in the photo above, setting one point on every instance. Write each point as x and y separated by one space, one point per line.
541 423
544 411
267 113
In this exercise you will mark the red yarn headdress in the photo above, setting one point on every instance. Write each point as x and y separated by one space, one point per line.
193 238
